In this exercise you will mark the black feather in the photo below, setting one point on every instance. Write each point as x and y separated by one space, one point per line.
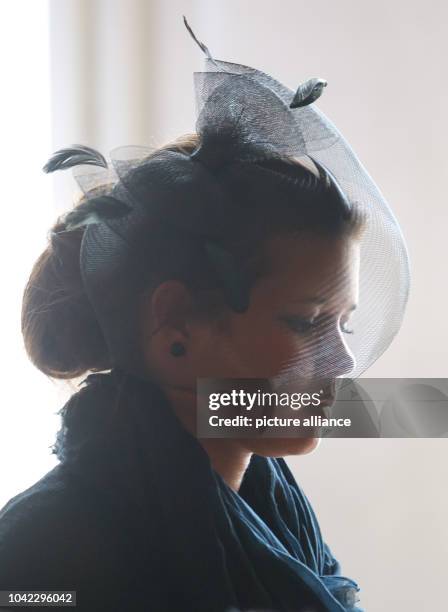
96 210
200 44
74 156
233 282
308 92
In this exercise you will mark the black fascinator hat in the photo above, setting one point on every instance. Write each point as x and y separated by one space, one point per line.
244 118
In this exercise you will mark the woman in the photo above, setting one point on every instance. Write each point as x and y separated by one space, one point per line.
232 253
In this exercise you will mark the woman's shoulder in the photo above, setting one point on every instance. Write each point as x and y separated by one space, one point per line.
53 536
35 508
47 488
42 507
38 521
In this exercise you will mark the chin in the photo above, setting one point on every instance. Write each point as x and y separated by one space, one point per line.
281 447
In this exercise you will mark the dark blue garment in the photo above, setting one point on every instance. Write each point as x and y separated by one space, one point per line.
134 518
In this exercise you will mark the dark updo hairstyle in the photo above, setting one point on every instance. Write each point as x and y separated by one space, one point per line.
61 333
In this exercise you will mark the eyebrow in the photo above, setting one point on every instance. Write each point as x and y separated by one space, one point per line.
313 300
319 300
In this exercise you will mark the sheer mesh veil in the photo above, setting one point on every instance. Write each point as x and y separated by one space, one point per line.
244 116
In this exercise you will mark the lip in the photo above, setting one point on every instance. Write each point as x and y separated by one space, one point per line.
326 409
326 405
323 409
327 400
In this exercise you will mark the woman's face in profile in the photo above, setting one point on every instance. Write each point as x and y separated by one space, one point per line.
299 313
295 326
297 323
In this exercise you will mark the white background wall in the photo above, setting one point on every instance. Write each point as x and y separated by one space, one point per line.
121 74
28 400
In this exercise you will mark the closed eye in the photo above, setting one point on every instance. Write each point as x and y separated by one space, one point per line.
300 325
303 325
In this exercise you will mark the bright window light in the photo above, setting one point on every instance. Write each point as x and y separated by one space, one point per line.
29 401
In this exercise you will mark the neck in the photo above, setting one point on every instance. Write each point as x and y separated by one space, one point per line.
227 457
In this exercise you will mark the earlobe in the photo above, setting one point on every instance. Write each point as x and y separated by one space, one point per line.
167 313
170 304
177 349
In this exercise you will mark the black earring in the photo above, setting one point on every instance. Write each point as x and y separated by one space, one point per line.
177 349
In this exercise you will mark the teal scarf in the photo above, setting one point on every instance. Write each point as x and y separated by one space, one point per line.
258 549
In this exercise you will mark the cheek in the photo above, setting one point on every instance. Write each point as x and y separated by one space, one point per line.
265 345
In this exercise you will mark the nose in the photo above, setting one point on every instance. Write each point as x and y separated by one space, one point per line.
333 357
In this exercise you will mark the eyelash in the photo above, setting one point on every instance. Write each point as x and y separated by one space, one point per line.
304 325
